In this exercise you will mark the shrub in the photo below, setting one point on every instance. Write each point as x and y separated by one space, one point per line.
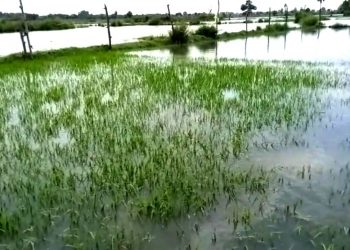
276 27
207 31
117 23
300 15
179 35
261 20
195 22
346 13
155 21
258 28
338 26
309 21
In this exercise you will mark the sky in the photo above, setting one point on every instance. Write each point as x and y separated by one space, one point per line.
44 7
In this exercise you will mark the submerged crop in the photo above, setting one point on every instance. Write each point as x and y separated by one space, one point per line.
101 155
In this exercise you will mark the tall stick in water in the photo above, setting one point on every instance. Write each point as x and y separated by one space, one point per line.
25 33
171 21
218 16
109 29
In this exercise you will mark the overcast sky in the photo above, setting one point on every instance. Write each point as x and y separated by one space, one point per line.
43 7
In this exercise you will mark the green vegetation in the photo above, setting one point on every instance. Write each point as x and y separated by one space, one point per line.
344 8
338 26
117 23
272 30
109 156
179 35
276 28
307 20
14 26
100 148
310 21
207 31
299 15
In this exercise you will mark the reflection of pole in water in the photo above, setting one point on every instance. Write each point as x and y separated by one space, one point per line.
245 47
318 32
216 50
301 35
285 40
268 43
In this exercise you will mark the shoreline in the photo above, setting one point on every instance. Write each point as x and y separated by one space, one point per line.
158 42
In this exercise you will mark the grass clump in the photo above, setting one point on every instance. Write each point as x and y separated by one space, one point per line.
117 23
339 26
309 21
276 27
179 35
51 24
207 31
195 22
155 21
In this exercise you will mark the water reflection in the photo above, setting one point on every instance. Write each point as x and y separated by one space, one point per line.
316 45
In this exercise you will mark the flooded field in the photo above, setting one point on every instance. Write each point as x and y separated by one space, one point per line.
316 46
97 36
144 153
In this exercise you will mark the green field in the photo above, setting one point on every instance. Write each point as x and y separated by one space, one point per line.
109 151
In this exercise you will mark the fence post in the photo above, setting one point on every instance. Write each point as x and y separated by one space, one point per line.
171 21
109 29
25 33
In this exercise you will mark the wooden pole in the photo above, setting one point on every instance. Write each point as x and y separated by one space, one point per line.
171 21
320 13
246 22
26 31
23 42
218 16
109 29
269 17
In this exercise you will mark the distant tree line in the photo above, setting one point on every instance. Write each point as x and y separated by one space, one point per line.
344 8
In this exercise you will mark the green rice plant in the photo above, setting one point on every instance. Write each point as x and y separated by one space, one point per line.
107 150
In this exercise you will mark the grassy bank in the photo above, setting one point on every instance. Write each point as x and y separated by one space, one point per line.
156 42
15 26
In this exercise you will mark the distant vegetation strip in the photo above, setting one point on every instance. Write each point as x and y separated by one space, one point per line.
15 26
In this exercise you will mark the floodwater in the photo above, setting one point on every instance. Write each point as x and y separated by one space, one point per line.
308 204
309 199
325 45
95 36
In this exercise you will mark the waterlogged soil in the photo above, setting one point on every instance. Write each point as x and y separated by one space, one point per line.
302 199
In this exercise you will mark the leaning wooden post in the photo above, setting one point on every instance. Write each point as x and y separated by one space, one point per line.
109 29
21 33
171 20
26 31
